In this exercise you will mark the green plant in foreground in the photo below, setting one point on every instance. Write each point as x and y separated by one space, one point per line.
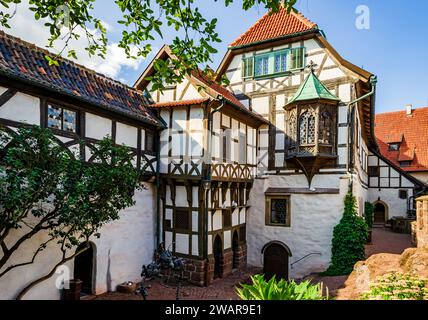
397 286
261 289
349 239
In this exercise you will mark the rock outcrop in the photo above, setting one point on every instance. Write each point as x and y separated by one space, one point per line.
412 261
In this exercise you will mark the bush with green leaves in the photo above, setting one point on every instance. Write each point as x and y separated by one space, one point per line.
368 214
261 289
397 286
49 196
349 239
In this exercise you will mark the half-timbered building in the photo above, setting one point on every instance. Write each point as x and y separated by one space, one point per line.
78 104
208 161
255 172
319 143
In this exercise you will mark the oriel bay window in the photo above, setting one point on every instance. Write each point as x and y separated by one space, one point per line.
61 119
273 63
311 127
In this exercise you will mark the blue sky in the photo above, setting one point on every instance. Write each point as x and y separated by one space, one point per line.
395 48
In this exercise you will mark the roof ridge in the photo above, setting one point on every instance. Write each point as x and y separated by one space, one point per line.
303 19
28 44
282 13
399 111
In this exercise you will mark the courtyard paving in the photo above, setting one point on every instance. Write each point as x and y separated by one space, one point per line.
383 241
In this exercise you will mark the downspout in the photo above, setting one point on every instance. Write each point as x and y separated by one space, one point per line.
207 180
350 112
158 215
158 184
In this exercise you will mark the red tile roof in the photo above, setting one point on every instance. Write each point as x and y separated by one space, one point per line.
179 103
275 25
228 95
26 62
414 133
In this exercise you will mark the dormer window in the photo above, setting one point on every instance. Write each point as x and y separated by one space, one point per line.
405 164
273 63
394 147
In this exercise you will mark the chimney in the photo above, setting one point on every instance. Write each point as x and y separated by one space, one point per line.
409 109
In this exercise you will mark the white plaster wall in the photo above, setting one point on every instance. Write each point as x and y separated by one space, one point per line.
126 135
22 108
125 245
396 207
97 127
313 218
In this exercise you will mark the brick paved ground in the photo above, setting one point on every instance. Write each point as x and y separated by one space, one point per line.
224 289
221 289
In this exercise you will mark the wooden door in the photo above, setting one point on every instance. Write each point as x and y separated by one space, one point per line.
379 213
83 268
275 262
218 257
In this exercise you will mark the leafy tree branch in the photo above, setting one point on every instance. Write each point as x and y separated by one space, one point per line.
141 22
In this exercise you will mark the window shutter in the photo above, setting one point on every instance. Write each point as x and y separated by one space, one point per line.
296 59
247 67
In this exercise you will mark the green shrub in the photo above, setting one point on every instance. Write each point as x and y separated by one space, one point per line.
397 286
349 239
368 214
279 290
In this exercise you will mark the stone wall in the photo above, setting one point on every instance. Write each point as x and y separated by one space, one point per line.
422 222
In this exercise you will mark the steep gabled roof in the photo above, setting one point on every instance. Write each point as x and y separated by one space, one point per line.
312 88
211 87
26 62
411 131
275 25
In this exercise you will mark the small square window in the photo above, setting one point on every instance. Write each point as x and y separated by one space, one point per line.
181 219
402 194
62 119
227 219
373 171
278 211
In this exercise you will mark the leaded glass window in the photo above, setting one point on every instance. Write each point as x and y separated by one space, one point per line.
181 219
62 119
325 133
292 122
307 128
280 62
278 211
262 66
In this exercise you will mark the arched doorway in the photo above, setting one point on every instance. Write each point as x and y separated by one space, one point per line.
380 213
235 247
218 257
84 268
275 260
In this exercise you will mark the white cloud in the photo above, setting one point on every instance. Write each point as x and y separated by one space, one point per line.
24 26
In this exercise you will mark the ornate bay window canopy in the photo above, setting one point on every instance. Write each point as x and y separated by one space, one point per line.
311 127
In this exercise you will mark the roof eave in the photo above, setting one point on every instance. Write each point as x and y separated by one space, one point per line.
121 111
298 34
